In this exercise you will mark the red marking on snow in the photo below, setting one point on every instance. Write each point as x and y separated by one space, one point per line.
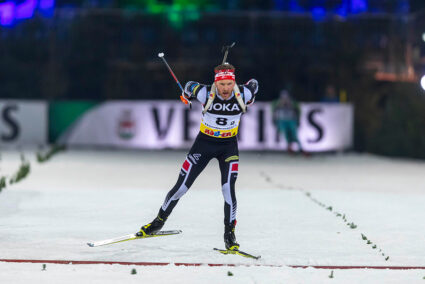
186 165
143 263
235 167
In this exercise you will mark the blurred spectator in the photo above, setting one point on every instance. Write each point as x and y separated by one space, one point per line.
330 95
286 117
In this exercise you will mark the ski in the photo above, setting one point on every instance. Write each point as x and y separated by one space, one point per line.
238 252
131 237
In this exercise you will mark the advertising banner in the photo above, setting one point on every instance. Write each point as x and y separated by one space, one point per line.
167 124
23 123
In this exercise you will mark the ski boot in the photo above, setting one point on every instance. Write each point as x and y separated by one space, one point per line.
229 236
152 227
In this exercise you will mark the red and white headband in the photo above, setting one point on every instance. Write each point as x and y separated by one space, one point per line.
224 74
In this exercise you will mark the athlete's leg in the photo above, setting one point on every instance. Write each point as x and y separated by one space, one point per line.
229 163
195 162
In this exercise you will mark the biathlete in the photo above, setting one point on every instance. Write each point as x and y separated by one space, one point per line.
224 102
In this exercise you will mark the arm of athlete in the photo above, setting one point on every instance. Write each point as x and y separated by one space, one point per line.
250 91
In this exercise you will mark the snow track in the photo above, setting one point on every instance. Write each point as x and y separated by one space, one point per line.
295 212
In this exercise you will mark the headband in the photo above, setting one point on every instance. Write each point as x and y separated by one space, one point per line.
224 74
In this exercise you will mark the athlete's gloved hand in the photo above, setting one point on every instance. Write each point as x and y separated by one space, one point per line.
252 85
189 90
188 93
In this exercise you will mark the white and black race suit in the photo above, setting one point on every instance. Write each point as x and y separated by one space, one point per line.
216 139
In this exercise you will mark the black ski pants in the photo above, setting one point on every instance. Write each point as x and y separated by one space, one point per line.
203 150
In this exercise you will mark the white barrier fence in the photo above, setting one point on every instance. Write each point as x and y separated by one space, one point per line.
23 123
167 124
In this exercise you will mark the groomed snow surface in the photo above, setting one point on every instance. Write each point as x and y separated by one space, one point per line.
326 210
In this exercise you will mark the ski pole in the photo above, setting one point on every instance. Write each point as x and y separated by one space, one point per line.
161 55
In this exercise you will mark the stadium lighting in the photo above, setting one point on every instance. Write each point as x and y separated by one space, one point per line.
423 82
423 36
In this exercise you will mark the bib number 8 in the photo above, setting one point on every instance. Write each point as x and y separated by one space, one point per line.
221 121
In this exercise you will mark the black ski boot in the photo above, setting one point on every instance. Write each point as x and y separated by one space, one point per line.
152 227
229 236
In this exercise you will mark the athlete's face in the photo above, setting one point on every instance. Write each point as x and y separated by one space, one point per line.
225 88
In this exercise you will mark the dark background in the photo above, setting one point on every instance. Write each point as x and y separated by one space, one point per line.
371 52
